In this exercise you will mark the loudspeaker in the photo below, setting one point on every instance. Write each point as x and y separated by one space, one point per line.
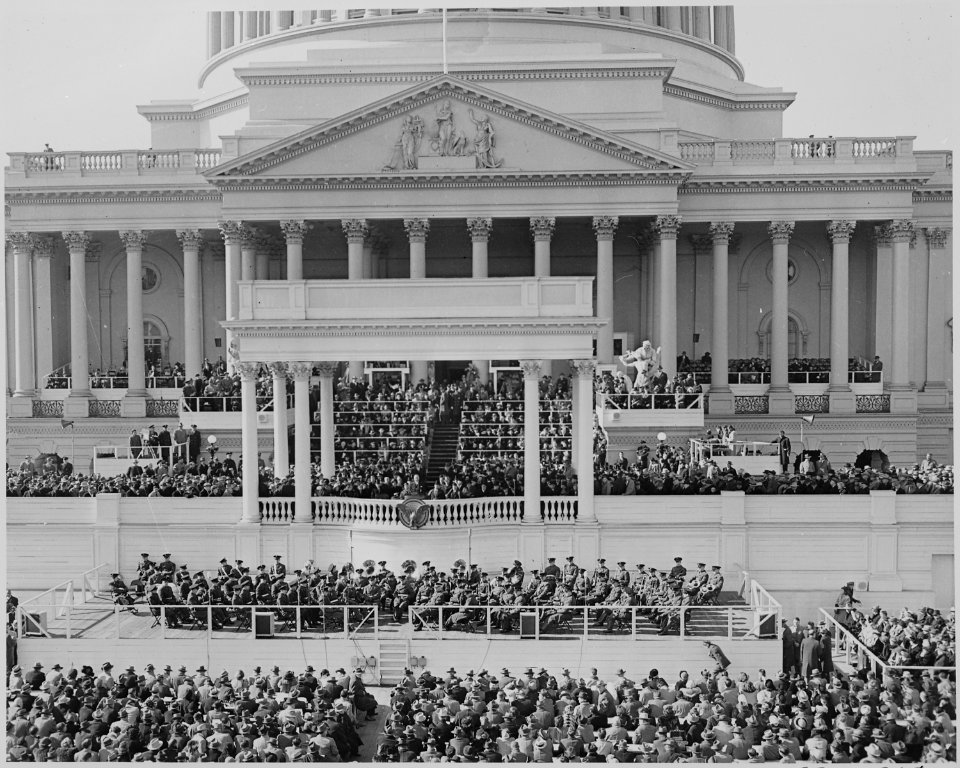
263 624
528 625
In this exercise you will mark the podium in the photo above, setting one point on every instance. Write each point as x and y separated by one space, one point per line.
528 626
263 624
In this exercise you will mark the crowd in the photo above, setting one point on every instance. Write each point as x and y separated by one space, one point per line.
214 388
662 594
657 391
112 715
921 638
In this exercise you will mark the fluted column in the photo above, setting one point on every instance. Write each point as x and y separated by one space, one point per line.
134 403
294 231
938 310
356 231
605 227
248 253
842 399
701 22
901 233
479 229
673 17
327 426
264 246
213 34
668 227
226 29
720 25
721 396
583 371
191 243
25 381
43 306
76 404
248 441
249 25
232 232
417 230
780 395
301 440
281 461
542 229
531 440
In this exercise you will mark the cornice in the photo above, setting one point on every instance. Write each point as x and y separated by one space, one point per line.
690 94
933 196
476 75
746 184
45 197
227 105
472 179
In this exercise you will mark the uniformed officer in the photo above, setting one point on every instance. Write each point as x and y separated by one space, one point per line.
278 569
229 465
551 568
570 570
166 566
601 572
678 572
622 576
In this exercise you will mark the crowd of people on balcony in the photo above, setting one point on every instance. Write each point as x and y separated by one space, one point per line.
656 391
215 389
921 638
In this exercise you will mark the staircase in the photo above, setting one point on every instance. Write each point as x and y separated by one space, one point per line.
393 659
443 449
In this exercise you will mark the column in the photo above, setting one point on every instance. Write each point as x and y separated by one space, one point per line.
542 229
901 398
883 270
938 311
294 231
583 371
720 25
43 307
249 25
781 397
479 229
281 461
226 29
701 22
264 246
673 17
248 441
134 402
531 440
190 243
356 231
327 426
22 245
232 232
417 230
213 34
668 227
302 477
605 227
842 399
248 253
731 35
721 396
76 404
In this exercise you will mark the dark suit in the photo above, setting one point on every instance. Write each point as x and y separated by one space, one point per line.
783 450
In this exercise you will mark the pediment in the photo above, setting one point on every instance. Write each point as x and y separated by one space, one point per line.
449 127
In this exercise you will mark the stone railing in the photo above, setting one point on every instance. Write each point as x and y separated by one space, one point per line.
443 513
113 162
788 151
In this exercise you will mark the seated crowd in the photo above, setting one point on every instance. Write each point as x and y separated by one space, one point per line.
923 638
70 715
661 594
656 391
670 470
215 389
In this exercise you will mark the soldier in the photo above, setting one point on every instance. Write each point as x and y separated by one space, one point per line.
622 576
278 570
551 568
601 572
570 571
167 567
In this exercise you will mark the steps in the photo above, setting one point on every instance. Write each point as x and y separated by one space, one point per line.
393 657
443 449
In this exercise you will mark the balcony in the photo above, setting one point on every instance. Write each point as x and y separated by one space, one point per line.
112 163
809 152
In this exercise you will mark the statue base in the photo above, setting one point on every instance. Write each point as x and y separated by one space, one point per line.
447 163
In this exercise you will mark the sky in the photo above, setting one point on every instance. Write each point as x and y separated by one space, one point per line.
74 72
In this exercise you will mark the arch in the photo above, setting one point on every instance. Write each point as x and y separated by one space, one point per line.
796 324
118 258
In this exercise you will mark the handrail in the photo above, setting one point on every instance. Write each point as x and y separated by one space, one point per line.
88 589
705 449
854 643
225 404
59 604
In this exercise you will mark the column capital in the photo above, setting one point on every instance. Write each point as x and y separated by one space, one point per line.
76 240
133 239
267 244
356 230
327 370
248 370
531 369
299 371
701 243
479 228
668 226
584 369
249 236
231 231
605 226
21 241
841 230
780 231
43 246
190 239
936 236
901 231
542 227
294 230
279 370
721 232
93 250
417 229
881 235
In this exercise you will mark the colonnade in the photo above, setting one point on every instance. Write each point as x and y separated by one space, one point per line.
303 467
245 259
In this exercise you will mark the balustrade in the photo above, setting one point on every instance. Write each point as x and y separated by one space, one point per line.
752 150
158 160
115 161
645 401
101 161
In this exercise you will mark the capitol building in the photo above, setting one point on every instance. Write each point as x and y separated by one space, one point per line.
405 195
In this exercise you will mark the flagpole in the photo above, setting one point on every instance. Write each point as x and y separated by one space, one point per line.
444 25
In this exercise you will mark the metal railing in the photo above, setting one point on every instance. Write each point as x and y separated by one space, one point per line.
677 401
856 653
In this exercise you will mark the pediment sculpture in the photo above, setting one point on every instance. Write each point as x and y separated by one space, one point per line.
423 144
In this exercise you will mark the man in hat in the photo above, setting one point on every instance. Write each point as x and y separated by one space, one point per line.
278 570
551 568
